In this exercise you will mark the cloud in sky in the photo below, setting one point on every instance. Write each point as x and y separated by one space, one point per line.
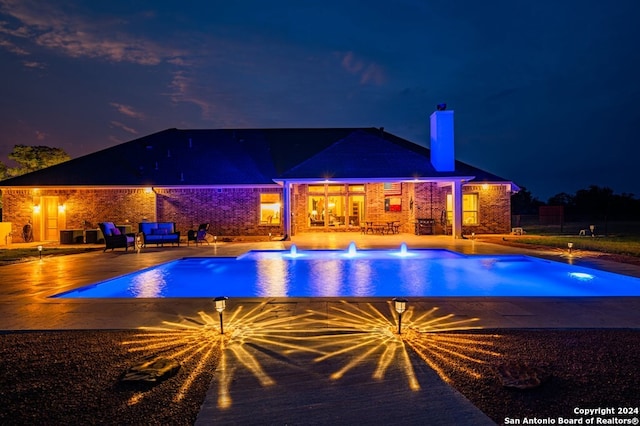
127 110
369 73
125 128
77 36
537 87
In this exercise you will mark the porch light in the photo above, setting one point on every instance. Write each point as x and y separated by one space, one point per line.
61 208
36 208
400 305
220 303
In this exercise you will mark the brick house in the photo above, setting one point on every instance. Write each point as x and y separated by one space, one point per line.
250 182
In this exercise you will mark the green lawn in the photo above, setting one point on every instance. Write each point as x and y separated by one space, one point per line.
11 255
625 245
619 237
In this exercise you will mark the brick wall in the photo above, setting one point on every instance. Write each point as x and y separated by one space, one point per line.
235 211
494 209
229 211
83 208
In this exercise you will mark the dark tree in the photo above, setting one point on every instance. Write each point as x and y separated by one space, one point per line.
523 203
32 158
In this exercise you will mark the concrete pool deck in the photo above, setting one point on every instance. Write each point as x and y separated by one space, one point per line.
303 393
25 288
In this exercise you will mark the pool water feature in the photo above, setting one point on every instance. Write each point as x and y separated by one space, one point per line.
361 273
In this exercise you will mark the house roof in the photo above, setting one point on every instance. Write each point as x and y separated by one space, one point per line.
176 157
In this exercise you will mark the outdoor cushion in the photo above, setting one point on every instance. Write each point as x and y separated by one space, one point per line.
147 227
167 226
110 229
115 231
160 231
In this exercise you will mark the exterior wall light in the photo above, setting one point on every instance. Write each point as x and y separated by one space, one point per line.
220 303
61 208
36 208
400 305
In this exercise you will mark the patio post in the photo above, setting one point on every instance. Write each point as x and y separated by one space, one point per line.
456 196
286 211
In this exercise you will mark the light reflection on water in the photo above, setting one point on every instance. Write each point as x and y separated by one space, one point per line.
274 278
150 283
374 273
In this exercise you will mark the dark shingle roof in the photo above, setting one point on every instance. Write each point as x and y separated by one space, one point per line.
246 157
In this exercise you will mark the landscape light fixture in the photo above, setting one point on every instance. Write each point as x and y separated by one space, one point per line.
40 251
570 245
220 304
401 306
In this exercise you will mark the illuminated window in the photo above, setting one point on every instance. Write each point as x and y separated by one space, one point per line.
469 209
332 205
270 209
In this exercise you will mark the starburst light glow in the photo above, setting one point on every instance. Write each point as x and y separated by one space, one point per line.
344 338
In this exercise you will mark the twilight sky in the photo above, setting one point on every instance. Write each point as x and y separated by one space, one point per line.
546 93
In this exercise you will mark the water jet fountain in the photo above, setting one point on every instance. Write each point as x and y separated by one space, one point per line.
351 250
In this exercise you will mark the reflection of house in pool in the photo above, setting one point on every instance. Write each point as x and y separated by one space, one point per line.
266 181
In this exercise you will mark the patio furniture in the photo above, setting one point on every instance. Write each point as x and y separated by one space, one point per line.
72 236
394 227
424 226
114 238
375 228
198 236
159 233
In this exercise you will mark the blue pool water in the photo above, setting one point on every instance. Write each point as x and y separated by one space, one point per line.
355 273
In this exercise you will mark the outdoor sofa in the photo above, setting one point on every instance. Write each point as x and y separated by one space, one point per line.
159 233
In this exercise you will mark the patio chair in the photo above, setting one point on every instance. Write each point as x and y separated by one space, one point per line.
200 235
114 238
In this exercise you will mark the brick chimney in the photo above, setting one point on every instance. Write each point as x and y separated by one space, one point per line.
442 149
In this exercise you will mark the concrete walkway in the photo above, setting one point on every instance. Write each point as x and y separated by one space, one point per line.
295 384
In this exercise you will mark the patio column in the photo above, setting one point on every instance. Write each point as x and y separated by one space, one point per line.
286 210
456 199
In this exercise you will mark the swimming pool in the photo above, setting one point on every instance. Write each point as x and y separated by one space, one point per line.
361 273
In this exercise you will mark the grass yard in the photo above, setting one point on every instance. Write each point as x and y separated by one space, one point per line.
624 245
616 238
27 253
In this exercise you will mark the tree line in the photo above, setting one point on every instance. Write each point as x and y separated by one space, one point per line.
592 203
32 158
